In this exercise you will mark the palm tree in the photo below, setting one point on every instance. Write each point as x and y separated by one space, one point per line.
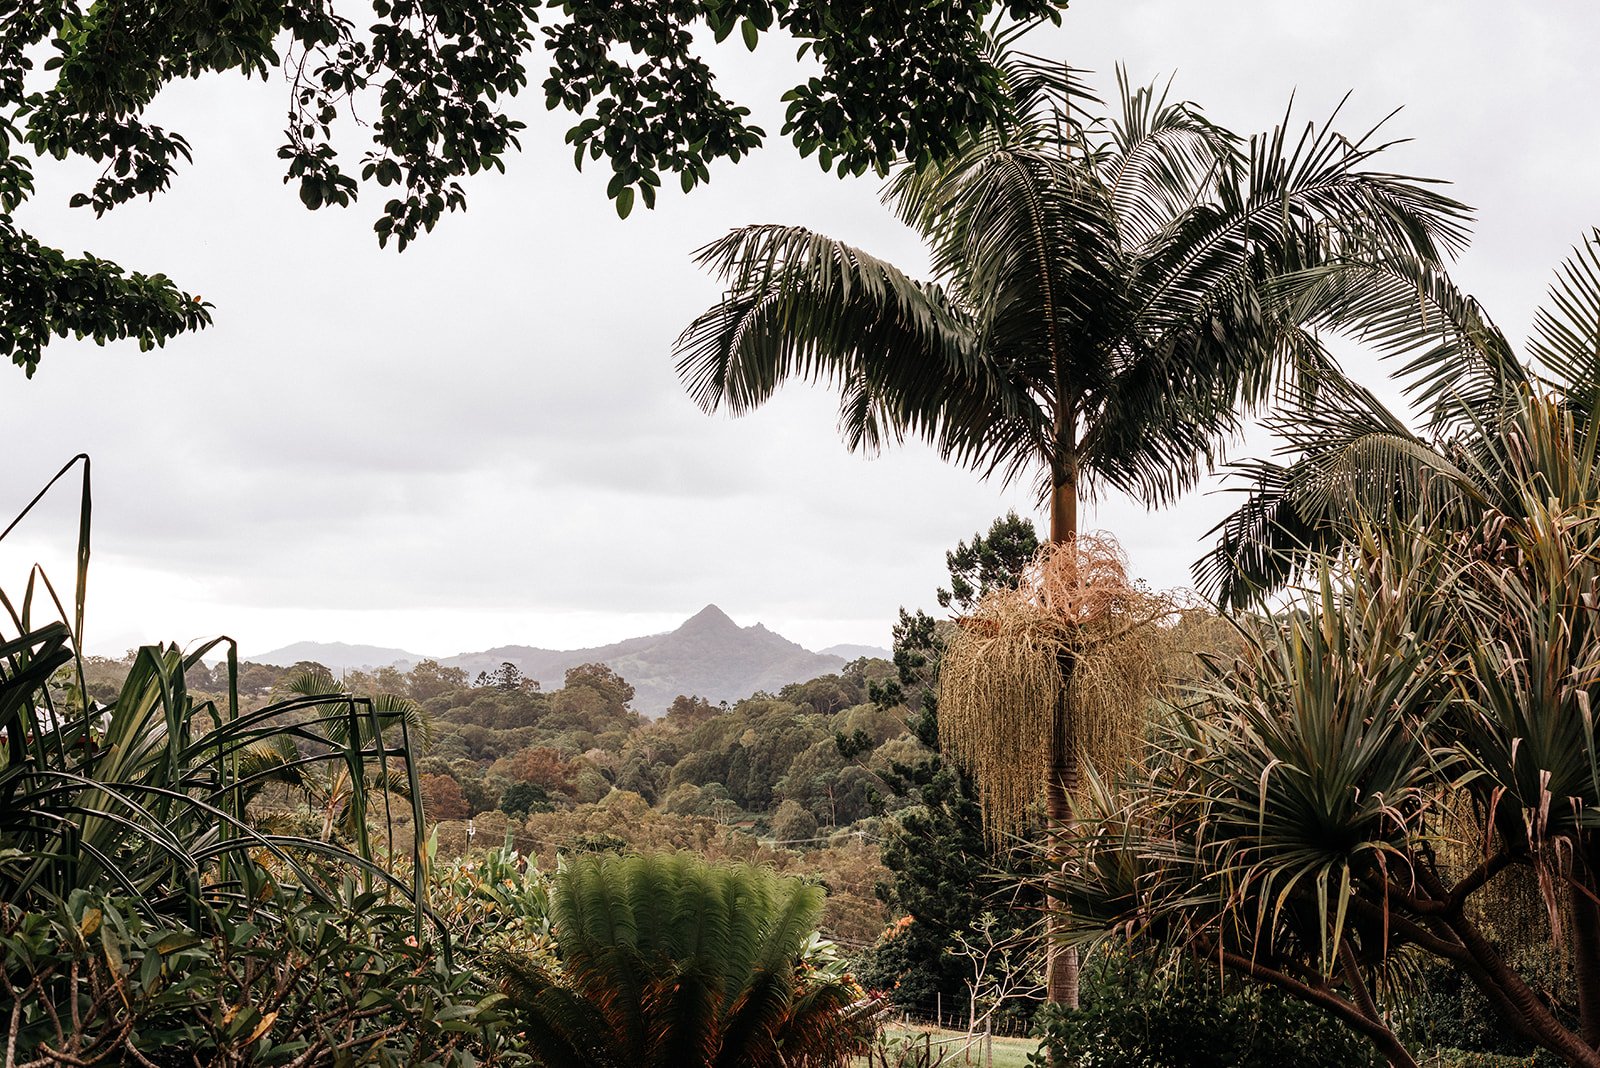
1349 455
669 961
337 790
1108 301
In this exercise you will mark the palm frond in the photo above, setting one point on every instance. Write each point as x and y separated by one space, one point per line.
1566 330
800 305
1049 114
1162 161
1459 366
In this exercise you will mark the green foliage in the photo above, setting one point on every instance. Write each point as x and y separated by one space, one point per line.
1424 709
991 561
300 980
666 960
1136 1016
50 294
150 795
1445 1012
505 677
943 878
498 902
521 798
749 749
147 905
665 115
905 1051
432 80
792 822
1445 1057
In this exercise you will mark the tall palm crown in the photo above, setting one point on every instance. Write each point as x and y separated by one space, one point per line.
1108 298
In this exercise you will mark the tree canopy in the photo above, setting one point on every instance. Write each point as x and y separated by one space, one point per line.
899 80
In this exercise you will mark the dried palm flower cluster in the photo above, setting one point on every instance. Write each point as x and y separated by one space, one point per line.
1075 635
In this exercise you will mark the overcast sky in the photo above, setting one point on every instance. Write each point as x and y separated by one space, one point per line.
482 441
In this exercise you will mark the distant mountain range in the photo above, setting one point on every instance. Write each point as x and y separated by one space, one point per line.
856 652
709 656
338 657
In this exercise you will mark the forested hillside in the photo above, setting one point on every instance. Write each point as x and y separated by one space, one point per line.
796 779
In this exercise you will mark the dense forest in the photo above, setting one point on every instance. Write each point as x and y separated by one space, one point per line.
800 779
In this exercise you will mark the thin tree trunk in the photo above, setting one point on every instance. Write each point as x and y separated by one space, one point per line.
1064 511
1061 964
1061 961
1524 1006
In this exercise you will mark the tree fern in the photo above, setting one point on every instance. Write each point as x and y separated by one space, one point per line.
668 961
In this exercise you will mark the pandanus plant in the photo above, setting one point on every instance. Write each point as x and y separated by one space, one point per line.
1109 298
149 796
1403 757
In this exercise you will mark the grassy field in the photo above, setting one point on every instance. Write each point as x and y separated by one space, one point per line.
1008 1052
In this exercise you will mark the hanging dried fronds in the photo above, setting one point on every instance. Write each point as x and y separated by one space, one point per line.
1075 639
998 684
1113 684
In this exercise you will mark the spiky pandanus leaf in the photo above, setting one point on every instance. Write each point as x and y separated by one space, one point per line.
147 794
1406 750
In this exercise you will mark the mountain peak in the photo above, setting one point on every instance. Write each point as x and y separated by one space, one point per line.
709 618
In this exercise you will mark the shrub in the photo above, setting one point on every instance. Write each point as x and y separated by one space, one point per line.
497 903
1447 1013
791 823
1461 1058
302 981
150 910
1135 1015
521 798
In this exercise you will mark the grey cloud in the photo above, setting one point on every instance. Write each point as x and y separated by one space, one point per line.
484 436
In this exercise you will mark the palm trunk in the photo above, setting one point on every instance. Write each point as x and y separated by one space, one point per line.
1064 509
1061 961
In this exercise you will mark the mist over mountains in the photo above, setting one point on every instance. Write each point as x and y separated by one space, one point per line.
709 656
